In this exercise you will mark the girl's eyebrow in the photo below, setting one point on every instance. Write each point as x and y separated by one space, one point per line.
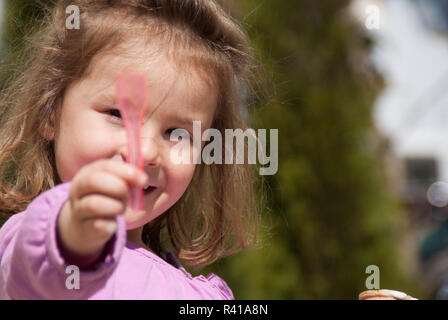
183 120
106 99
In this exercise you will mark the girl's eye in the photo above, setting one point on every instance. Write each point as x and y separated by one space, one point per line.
175 133
114 113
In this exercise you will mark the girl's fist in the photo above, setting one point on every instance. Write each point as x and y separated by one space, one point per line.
99 193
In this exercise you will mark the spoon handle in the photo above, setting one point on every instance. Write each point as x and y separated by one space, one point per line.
131 99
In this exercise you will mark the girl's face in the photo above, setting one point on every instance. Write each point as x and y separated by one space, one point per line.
90 126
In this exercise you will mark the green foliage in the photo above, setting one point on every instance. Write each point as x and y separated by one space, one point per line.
23 17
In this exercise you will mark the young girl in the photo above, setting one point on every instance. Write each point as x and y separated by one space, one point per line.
64 177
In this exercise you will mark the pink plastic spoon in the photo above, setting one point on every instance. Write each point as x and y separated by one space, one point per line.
131 97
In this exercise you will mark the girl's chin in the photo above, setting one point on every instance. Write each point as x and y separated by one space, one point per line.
136 219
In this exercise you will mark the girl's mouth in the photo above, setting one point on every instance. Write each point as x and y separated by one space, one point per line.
148 189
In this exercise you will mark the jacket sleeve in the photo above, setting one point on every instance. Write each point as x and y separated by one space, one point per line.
31 265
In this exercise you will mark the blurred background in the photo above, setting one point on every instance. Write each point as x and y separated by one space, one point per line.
357 92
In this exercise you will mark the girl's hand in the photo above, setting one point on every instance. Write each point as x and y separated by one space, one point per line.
384 294
98 194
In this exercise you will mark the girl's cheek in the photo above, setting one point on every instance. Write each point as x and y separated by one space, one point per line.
77 149
180 175
180 165
101 144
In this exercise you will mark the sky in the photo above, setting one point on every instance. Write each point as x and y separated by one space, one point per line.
413 59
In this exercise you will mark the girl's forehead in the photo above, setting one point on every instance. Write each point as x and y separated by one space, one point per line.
159 64
168 82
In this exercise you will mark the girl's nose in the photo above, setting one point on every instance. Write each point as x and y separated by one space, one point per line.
150 152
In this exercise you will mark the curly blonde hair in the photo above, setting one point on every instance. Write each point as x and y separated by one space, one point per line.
221 198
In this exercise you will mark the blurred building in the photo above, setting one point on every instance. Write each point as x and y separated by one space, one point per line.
411 52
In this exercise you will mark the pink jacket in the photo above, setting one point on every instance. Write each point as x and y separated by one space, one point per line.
32 267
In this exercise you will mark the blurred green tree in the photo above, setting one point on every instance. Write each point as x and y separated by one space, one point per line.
21 19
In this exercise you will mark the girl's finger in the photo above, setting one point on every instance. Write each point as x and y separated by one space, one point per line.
99 206
101 228
99 182
132 174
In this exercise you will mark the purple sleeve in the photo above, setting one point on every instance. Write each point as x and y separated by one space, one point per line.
31 265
